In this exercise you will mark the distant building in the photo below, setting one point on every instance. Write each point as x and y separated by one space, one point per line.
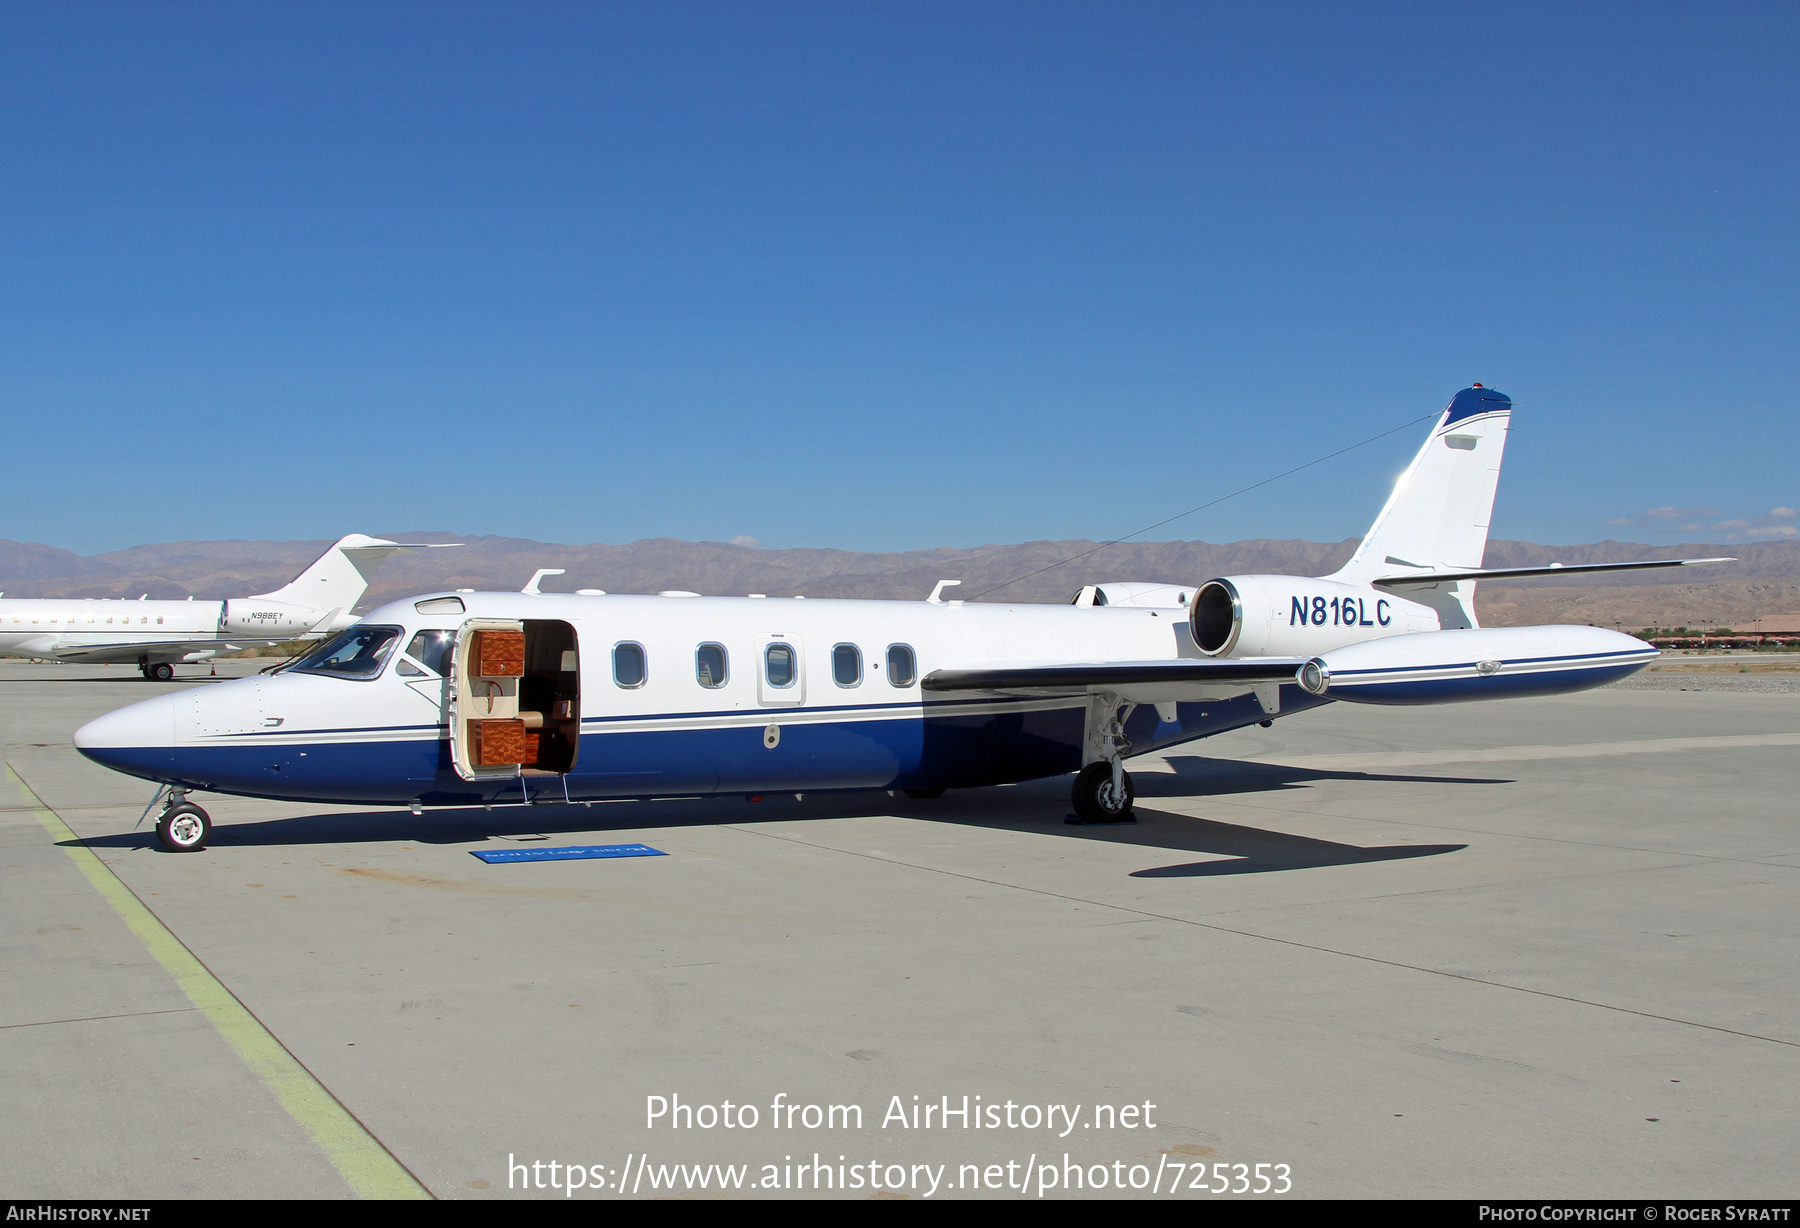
1779 630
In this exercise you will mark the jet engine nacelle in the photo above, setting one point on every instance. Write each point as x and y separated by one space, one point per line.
1138 593
1293 616
1484 663
265 619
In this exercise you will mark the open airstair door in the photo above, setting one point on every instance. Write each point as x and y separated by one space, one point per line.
515 699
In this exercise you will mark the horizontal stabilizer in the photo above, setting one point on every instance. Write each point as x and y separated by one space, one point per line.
1428 579
1112 674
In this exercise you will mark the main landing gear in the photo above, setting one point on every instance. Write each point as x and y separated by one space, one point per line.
162 671
1099 798
183 827
1103 791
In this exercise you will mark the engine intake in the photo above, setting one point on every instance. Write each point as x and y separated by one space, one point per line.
1217 617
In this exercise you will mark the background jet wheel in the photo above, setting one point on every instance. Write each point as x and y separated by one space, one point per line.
162 671
184 829
923 793
1095 800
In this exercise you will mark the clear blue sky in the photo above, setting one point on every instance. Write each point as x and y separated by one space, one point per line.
881 276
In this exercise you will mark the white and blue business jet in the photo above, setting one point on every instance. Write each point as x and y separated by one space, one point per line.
466 698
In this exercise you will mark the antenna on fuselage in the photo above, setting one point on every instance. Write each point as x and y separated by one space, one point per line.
531 585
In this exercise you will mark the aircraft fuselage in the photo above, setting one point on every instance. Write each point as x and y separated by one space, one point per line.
662 721
630 697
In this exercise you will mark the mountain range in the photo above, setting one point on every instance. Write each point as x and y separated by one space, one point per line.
1764 580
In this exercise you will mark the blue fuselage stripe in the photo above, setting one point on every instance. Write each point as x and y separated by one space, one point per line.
934 750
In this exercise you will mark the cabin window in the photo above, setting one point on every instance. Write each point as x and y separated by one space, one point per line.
778 665
709 666
629 669
358 653
430 649
846 664
901 667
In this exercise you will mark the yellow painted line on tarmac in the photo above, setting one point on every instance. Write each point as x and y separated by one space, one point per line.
368 1167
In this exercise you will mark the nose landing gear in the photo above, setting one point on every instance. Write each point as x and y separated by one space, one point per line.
182 827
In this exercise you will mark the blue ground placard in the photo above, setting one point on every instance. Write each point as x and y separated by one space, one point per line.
582 852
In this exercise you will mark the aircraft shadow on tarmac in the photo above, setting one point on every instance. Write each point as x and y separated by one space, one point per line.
1239 849
1036 807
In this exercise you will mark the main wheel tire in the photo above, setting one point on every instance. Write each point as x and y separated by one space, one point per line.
184 829
922 794
1095 799
162 671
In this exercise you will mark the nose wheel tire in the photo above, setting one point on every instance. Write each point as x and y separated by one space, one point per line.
184 829
1095 799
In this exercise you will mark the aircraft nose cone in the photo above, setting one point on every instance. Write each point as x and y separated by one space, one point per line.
138 740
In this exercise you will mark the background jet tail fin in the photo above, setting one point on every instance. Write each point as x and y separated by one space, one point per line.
341 575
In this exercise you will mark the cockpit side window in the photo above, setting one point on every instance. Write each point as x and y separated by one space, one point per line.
358 653
430 649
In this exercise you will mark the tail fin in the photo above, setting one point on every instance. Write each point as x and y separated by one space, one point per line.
1437 517
341 575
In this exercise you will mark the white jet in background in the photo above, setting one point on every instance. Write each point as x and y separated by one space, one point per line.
154 635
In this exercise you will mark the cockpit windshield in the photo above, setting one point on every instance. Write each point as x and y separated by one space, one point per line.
357 653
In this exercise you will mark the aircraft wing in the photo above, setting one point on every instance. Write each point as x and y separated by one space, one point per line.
1427 579
1145 681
